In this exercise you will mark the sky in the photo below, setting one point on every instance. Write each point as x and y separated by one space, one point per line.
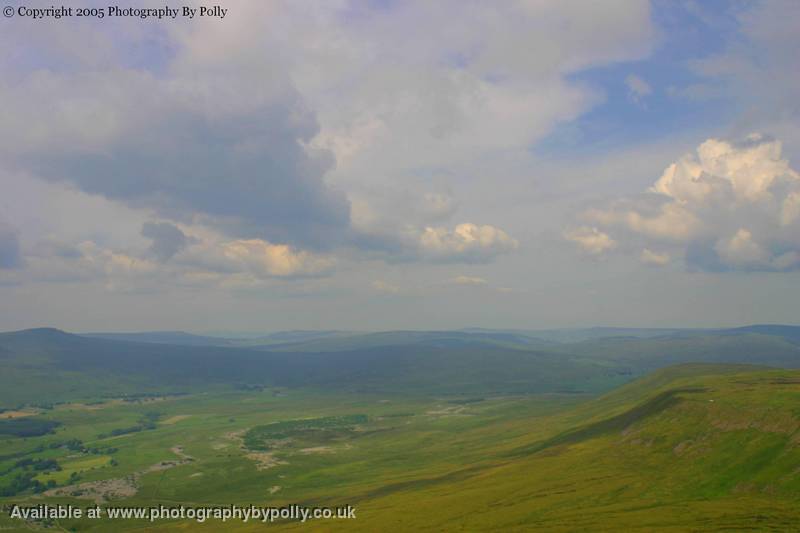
394 164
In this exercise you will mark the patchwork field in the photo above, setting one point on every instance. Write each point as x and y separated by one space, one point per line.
439 431
692 445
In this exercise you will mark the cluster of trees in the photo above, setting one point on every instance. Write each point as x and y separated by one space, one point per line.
39 465
27 427
76 445
148 421
25 480
29 467
143 396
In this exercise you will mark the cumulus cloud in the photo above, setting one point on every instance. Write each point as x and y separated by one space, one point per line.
380 215
466 242
654 217
463 243
468 280
590 239
210 261
649 257
384 287
9 246
87 261
117 267
741 250
168 239
264 259
729 206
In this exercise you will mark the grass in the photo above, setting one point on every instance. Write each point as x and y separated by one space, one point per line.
310 431
76 466
693 447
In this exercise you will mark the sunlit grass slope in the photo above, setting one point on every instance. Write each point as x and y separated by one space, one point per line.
693 447
687 448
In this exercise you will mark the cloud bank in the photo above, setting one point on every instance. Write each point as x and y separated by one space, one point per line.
228 152
731 206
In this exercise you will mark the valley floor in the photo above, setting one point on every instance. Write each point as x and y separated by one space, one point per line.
693 447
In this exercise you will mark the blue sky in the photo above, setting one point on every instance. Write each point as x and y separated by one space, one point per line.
686 32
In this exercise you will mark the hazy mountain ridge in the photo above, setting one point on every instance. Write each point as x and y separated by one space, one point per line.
65 365
335 340
50 363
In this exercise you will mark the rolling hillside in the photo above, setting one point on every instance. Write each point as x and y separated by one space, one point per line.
688 448
47 365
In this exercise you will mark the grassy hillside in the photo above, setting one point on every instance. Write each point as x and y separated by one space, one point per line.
691 447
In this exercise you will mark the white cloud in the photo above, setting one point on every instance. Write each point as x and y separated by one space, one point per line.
87 261
210 260
667 221
119 270
453 105
790 210
741 172
464 83
295 133
208 138
384 287
590 239
741 249
466 242
649 257
275 260
469 280
730 206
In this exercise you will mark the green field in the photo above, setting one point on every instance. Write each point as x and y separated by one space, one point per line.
587 435
695 446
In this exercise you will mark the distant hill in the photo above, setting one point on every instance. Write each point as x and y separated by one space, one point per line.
47 365
791 333
295 336
164 337
726 346
336 340
344 342
589 334
509 338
